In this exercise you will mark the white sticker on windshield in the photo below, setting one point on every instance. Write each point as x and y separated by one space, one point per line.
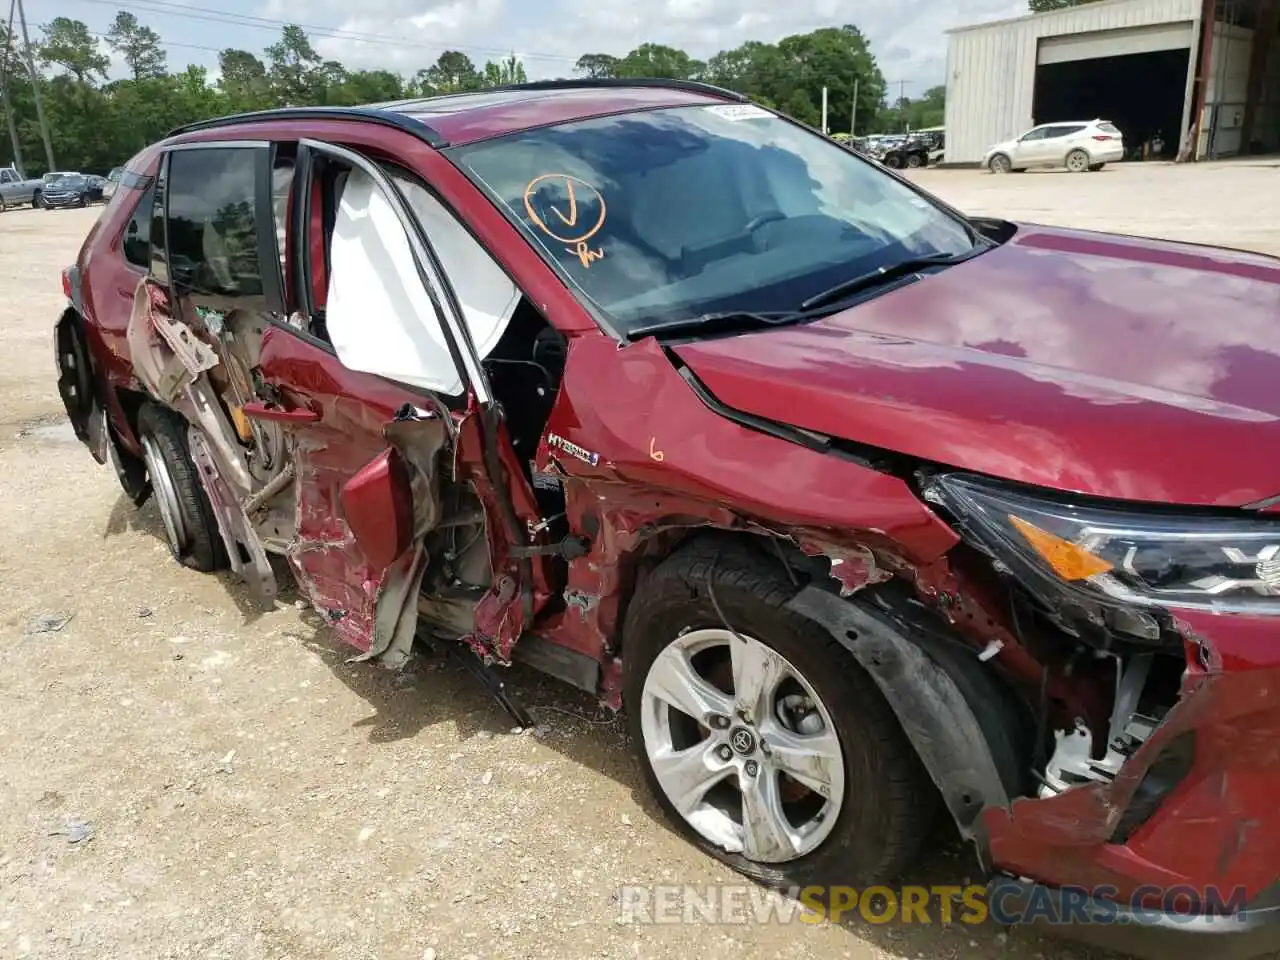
739 111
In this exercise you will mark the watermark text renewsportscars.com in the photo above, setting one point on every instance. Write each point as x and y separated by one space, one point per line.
748 904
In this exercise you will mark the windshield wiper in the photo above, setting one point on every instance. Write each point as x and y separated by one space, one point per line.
727 321
894 271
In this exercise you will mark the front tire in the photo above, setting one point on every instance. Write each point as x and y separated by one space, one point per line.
1000 163
37 201
190 528
766 744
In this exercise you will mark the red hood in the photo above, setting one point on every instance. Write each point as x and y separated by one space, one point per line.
1106 365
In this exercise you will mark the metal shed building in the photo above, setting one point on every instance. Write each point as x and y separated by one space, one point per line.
1147 65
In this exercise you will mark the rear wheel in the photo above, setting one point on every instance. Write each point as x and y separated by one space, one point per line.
915 161
189 526
1078 161
759 734
1000 163
1095 167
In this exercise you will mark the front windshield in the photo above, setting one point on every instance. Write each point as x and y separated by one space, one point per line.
674 213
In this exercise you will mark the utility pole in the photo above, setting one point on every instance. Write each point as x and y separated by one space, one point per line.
4 92
35 89
853 112
824 111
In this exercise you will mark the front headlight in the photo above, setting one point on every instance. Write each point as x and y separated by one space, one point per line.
1109 555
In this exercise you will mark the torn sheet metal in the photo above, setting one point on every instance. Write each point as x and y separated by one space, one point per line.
252 565
166 356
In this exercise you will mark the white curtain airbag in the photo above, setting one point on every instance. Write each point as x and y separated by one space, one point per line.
379 316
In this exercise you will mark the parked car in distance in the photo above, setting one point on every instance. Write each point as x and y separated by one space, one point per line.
15 188
864 510
72 190
113 178
1086 145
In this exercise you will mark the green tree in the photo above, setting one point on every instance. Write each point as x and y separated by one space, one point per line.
97 124
138 45
366 86
596 65
294 69
454 72
839 58
505 72
243 80
656 60
69 44
908 114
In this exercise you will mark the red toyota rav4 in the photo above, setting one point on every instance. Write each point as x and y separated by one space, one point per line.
862 508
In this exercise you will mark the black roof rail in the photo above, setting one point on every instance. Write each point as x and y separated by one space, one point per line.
400 121
693 86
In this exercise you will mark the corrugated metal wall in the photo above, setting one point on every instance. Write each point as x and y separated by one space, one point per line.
991 68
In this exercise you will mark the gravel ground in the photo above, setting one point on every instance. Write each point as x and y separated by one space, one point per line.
252 795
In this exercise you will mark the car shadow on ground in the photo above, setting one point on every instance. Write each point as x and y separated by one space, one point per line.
127 518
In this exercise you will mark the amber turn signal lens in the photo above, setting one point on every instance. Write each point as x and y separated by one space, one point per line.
1067 560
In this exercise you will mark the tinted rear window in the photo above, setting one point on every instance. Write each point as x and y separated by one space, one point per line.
212 221
1108 128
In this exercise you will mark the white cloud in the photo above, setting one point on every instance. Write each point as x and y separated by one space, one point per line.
907 36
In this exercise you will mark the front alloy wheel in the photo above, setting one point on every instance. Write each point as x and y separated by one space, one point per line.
757 771
760 735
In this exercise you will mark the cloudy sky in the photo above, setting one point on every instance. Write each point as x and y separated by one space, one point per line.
907 36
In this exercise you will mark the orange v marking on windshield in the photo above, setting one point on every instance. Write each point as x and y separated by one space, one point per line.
572 218
585 206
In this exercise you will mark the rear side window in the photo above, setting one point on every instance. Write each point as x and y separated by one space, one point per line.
212 223
137 232
1065 130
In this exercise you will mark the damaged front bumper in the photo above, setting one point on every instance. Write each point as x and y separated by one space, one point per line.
1191 813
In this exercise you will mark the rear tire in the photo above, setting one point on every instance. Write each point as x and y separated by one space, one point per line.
886 802
190 528
1094 168
1078 161
893 162
914 162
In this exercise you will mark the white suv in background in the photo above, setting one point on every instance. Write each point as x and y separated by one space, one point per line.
1078 146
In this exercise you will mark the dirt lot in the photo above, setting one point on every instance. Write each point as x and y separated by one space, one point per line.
251 795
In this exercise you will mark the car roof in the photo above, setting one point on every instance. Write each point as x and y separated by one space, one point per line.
460 118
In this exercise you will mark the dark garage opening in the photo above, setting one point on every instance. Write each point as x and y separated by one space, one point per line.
1141 93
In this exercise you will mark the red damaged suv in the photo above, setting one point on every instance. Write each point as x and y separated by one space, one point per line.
863 509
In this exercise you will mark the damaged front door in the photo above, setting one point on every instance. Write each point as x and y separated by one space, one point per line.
372 378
